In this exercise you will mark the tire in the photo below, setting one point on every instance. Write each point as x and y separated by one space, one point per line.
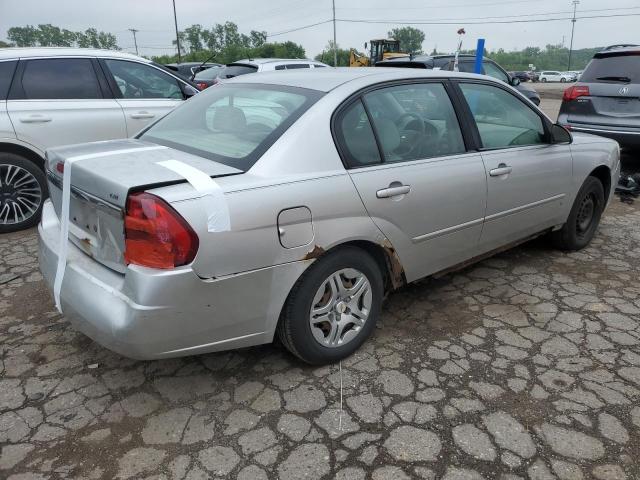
543 80
583 220
563 80
316 286
23 189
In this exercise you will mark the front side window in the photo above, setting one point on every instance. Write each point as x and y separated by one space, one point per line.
356 135
502 120
493 71
232 124
139 81
414 121
60 79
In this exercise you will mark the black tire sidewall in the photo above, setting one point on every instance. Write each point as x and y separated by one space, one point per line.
36 171
577 241
299 329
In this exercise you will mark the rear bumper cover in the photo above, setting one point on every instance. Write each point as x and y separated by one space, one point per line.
148 314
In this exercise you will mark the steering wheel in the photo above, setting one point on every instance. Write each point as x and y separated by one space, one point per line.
409 137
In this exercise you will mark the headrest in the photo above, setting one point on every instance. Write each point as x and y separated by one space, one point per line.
388 134
229 119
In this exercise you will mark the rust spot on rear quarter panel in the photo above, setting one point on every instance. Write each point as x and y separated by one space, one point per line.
315 253
396 272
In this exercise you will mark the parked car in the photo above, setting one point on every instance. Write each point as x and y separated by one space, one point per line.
555 76
606 100
188 70
58 96
522 76
331 188
573 76
535 76
466 63
208 77
255 65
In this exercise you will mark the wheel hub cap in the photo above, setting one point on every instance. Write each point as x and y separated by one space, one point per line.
585 214
20 194
340 308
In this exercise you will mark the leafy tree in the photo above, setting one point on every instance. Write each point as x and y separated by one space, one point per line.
91 38
47 35
410 39
52 36
327 55
23 36
193 37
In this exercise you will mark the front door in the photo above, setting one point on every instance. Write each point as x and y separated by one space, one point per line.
527 175
145 92
59 101
408 160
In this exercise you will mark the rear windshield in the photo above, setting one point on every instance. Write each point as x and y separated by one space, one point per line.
232 124
209 74
231 71
613 69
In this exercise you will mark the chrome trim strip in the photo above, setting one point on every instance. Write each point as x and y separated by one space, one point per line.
524 207
446 231
77 193
586 130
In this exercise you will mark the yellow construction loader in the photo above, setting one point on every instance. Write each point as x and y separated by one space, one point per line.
381 49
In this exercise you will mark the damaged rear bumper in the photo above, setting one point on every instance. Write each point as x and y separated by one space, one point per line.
147 313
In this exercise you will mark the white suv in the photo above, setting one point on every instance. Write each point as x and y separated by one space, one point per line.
58 96
553 76
255 65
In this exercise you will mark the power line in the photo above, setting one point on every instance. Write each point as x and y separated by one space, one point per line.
300 28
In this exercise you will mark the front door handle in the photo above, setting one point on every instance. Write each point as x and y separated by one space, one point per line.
393 191
503 169
35 119
140 115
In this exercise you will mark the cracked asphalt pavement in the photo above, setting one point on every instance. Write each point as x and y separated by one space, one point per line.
525 366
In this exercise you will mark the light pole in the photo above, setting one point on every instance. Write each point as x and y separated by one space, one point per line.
335 45
573 27
135 42
175 20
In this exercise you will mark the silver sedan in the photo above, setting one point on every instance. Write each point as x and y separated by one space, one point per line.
291 203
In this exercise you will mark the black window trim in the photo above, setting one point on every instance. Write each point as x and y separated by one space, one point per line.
15 61
16 91
469 140
471 122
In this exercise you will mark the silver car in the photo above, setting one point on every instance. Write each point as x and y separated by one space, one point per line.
291 203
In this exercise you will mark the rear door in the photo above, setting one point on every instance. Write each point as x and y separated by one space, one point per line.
144 91
405 152
60 101
613 79
528 177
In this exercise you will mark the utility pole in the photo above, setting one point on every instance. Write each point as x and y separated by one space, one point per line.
573 27
135 42
335 45
175 20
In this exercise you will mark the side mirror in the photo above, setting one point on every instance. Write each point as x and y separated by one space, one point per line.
559 134
515 81
188 91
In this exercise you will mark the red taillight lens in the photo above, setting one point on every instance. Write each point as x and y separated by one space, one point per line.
60 167
201 85
574 92
156 235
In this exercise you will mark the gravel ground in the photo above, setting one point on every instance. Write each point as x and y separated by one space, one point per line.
524 366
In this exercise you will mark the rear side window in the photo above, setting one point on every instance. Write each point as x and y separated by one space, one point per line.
60 78
6 74
355 135
613 69
231 71
136 80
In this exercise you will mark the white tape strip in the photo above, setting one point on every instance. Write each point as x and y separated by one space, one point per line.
214 202
64 211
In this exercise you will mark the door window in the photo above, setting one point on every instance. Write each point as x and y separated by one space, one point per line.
6 75
414 121
60 78
495 72
356 137
137 81
502 120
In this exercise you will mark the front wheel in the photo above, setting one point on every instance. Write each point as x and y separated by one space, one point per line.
563 80
23 188
543 80
333 308
584 217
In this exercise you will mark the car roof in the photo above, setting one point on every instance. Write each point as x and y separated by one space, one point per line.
262 61
327 79
32 52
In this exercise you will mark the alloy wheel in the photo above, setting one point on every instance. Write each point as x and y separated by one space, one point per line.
340 307
20 194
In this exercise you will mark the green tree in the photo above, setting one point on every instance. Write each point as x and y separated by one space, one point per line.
193 37
327 55
51 36
410 39
91 38
23 36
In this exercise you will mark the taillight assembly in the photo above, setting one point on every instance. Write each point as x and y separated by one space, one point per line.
156 235
574 92
201 85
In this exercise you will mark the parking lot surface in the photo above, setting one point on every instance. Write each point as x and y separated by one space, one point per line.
526 365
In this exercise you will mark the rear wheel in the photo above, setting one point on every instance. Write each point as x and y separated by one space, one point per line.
563 80
23 188
333 308
584 218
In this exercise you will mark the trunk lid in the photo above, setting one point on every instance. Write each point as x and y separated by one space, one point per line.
101 180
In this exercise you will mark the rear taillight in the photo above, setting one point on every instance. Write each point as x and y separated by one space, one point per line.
574 92
156 235
201 85
60 167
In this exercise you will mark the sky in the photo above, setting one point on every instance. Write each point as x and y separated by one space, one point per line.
154 20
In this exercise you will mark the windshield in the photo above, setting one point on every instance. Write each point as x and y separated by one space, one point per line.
208 74
613 69
232 124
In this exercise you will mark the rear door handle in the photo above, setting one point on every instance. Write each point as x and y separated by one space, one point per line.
35 119
140 115
393 191
503 169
